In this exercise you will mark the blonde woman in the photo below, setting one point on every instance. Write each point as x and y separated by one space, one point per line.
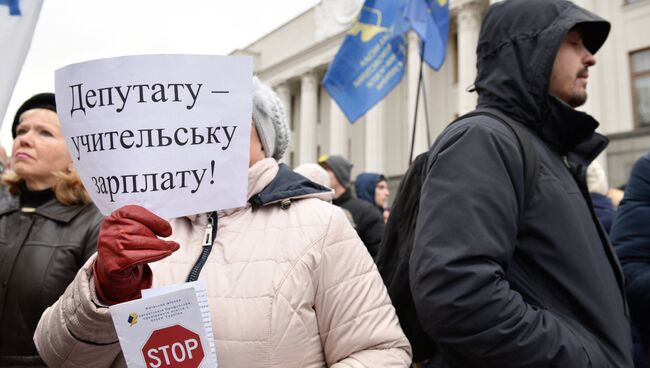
48 228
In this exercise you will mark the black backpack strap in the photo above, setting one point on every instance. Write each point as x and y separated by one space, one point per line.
395 252
528 152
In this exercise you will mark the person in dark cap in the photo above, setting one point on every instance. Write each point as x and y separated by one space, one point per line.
499 281
48 228
369 223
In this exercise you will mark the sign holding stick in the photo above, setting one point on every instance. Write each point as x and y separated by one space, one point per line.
168 132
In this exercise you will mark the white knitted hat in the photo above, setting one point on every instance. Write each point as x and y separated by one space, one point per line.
596 179
315 173
270 120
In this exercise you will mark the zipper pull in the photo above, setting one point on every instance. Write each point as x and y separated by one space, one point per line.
207 238
566 162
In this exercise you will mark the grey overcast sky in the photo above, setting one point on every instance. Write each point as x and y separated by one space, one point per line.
71 31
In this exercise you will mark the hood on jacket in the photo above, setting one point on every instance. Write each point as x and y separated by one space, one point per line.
365 186
288 184
517 46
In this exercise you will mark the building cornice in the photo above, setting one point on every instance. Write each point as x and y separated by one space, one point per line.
312 58
456 6
321 53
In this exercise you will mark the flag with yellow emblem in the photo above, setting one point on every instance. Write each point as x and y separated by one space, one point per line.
430 19
370 61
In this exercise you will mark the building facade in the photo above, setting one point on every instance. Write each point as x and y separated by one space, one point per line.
294 58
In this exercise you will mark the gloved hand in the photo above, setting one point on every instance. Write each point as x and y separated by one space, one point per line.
127 242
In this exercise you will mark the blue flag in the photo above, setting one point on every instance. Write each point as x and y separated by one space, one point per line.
430 19
370 61
18 20
14 7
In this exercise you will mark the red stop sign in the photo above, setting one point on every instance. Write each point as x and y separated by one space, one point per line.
173 346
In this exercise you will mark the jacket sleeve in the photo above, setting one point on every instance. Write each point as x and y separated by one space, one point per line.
630 236
95 219
465 237
75 332
357 322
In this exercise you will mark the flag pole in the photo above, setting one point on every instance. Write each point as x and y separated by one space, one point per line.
417 101
426 112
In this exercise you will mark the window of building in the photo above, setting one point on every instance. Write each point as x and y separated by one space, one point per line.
633 1
640 67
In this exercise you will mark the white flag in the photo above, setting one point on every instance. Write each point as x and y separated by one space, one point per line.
17 22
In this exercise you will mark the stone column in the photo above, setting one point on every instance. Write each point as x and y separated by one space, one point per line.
413 75
308 117
338 136
284 92
469 24
374 127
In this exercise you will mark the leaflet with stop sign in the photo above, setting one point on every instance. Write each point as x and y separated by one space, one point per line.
164 330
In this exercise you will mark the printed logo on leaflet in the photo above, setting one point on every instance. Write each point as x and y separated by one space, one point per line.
133 319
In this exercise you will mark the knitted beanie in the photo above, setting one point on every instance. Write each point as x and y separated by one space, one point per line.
315 173
596 179
270 120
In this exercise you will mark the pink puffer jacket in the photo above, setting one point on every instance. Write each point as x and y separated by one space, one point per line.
289 285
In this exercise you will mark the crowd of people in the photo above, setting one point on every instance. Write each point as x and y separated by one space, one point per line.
517 254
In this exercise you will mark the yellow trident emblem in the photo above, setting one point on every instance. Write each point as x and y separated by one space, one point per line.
368 31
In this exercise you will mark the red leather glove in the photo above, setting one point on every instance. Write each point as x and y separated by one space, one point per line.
127 242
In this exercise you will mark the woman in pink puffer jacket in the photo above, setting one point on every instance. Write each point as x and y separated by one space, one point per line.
290 284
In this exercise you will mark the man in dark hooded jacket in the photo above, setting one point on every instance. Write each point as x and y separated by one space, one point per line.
498 283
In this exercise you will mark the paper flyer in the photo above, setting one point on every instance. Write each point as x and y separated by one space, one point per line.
202 298
162 331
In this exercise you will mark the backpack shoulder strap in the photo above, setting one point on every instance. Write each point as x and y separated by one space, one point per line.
528 152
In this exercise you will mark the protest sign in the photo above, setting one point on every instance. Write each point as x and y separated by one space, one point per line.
164 330
168 132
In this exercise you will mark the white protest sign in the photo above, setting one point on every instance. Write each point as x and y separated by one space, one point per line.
163 331
168 132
